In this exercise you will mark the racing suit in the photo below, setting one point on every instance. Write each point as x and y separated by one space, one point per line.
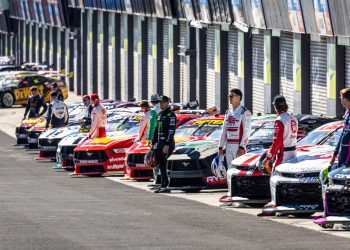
144 126
153 121
59 95
235 132
98 123
164 135
33 106
283 144
57 115
342 149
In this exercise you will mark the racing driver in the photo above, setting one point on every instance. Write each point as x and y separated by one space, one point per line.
57 114
283 144
342 149
98 118
144 124
236 129
35 103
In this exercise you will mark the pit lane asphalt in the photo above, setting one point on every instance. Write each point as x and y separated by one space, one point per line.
42 208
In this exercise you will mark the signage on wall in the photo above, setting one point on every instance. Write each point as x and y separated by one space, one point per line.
258 15
323 19
295 16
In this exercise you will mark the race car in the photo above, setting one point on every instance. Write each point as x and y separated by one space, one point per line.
23 127
189 127
116 123
103 156
335 196
15 89
247 184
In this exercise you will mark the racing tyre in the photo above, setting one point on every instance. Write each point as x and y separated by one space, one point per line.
7 100
192 190
327 226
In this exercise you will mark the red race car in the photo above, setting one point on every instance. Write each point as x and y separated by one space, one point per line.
103 156
192 130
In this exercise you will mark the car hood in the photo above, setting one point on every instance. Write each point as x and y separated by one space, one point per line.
57 133
194 150
254 145
31 122
73 140
122 141
308 160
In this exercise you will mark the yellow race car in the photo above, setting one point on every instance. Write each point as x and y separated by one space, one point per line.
15 88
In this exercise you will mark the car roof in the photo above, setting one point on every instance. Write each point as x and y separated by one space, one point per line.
331 126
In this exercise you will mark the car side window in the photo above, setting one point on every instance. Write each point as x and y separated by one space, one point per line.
25 82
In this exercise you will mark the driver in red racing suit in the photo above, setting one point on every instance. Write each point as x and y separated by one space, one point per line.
236 129
283 144
98 119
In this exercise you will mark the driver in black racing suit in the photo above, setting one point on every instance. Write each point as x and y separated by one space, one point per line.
57 114
163 140
35 103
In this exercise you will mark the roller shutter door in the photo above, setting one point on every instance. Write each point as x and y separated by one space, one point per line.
137 34
100 68
318 76
210 56
184 73
232 54
347 66
286 68
150 78
111 55
31 59
51 48
67 59
75 65
123 63
90 54
258 73
166 80
43 52
25 58
36 59
59 50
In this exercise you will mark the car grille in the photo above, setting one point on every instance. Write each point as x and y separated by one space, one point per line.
251 187
338 203
99 155
49 142
134 159
69 163
298 193
341 182
187 182
190 165
299 175
34 134
67 150
92 169
21 130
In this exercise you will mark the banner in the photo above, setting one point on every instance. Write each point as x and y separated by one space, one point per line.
323 19
258 15
295 16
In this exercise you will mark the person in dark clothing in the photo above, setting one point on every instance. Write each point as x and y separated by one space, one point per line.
163 140
342 150
35 103
89 107
55 88
57 114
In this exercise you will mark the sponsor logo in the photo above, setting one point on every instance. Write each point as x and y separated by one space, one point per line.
89 154
185 164
115 166
48 147
22 136
342 176
299 175
88 161
116 159
139 165
214 179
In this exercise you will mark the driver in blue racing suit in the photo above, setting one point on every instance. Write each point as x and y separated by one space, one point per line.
342 150
35 103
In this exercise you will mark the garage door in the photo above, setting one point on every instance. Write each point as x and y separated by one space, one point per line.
100 66
232 54
286 68
318 76
150 78
347 66
166 80
111 56
210 66
137 39
184 73
258 73
123 63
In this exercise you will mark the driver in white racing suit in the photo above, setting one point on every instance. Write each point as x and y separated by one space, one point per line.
57 113
144 124
283 144
236 129
98 118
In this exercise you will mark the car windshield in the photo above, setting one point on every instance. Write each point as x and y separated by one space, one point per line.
133 131
127 125
113 124
206 129
316 136
264 133
215 135
184 131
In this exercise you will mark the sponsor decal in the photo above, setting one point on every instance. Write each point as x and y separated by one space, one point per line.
48 147
212 122
22 136
214 179
185 164
342 176
87 161
115 166
139 165
116 159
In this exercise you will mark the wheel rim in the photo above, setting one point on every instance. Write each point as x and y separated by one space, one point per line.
8 99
